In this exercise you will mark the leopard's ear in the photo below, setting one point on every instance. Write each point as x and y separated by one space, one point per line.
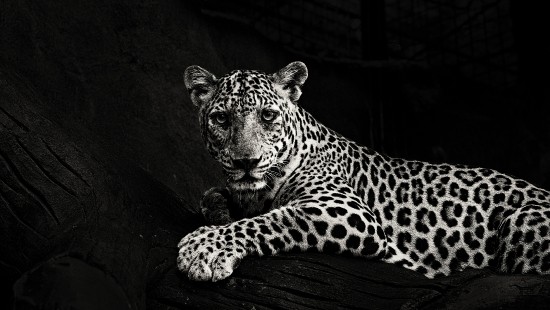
289 80
200 83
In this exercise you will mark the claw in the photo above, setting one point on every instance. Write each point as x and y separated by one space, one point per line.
224 265
200 271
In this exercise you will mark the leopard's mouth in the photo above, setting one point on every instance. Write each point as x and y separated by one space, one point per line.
247 178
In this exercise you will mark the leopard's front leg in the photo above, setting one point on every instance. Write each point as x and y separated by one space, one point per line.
214 206
331 224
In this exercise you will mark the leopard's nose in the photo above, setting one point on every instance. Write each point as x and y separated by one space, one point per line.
246 164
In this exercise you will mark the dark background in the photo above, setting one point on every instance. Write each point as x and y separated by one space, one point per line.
102 164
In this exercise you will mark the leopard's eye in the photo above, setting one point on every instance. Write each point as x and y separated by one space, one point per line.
220 118
269 115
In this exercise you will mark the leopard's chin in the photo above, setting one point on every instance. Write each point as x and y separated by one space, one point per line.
248 184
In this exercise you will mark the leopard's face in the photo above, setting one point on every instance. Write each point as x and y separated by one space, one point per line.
247 122
244 129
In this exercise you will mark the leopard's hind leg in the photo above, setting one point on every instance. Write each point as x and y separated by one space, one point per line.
524 245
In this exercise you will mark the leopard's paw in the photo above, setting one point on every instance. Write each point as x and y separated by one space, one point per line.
209 256
215 206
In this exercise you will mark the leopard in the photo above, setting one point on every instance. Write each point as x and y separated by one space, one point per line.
295 185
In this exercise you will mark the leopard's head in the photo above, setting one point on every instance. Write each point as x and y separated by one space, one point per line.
247 122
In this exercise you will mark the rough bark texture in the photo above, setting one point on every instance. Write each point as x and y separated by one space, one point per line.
96 138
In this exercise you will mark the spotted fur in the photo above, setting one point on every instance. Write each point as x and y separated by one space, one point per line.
298 185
